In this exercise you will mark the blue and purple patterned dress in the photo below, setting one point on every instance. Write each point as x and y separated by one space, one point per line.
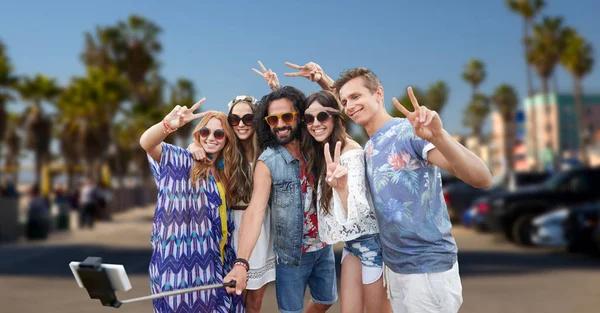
186 236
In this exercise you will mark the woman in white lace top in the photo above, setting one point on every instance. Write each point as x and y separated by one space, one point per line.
345 207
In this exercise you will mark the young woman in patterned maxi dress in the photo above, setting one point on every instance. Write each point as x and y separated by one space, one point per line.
192 229
262 261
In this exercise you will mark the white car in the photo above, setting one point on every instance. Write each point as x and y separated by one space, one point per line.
548 229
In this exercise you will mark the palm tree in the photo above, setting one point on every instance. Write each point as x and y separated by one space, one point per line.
475 114
132 47
528 10
474 74
437 96
87 109
38 126
578 60
7 82
506 100
546 47
12 140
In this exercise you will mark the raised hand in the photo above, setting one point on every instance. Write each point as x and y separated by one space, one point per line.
426 123
181 115
337 174
311 71
269 76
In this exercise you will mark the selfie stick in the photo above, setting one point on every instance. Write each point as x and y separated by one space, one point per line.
94 277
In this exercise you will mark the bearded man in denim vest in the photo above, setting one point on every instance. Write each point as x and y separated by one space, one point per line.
281 182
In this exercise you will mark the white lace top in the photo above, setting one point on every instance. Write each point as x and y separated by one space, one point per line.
337 225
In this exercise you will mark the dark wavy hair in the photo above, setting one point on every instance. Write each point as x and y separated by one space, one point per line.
314 150
265 137
239 186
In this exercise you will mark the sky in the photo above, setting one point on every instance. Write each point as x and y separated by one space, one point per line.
216 43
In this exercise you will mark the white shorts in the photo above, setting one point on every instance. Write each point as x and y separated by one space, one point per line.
424 293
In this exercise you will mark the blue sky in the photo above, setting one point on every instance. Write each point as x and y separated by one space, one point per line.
216 43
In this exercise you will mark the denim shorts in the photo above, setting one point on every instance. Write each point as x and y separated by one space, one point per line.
367 248
317 270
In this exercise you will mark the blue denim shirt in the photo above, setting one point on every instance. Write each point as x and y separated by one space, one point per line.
286 203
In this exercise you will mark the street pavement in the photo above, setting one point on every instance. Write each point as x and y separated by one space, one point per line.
496 276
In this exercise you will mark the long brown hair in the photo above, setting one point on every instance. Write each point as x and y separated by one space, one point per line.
239 185
314 150
202 170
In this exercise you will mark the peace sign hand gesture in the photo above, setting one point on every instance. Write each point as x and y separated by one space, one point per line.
337 174
426 123
311 71
181 115
269 76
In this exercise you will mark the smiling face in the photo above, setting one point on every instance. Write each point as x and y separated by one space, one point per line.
242 131
360 103
284 132
320 130
212 145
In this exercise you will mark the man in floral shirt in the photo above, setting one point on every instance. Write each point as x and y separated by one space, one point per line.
403 158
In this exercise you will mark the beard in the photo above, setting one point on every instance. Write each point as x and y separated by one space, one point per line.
284 140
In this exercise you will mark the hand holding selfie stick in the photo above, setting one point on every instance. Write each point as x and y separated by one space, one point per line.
102 280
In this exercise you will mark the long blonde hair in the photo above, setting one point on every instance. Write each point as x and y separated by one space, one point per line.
201 170
239 186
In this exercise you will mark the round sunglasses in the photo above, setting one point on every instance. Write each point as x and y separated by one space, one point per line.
217 133
287 118
234 120
322 116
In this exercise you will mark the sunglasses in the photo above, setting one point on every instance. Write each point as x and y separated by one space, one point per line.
234 120
287 118
217 133
321 117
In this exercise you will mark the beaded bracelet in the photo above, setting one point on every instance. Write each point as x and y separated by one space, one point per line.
242 262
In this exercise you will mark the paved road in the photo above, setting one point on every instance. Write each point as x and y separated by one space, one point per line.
497 277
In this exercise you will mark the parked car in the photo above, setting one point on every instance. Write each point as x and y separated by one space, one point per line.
547 229
579 228
512 212
596 235
475 199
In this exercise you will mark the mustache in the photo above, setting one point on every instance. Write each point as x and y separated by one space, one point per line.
276 129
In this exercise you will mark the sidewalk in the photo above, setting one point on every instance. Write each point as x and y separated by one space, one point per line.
35 276
139 218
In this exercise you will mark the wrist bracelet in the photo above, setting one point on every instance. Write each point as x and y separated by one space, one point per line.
243 265
242 262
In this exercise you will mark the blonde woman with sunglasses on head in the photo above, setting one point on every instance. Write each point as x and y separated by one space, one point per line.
192 229
262 261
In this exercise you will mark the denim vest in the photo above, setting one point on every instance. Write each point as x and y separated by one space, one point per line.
286 203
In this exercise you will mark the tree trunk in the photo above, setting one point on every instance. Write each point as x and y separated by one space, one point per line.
38 167
547 123
69 170
526 26
579 111
532 131
509 145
